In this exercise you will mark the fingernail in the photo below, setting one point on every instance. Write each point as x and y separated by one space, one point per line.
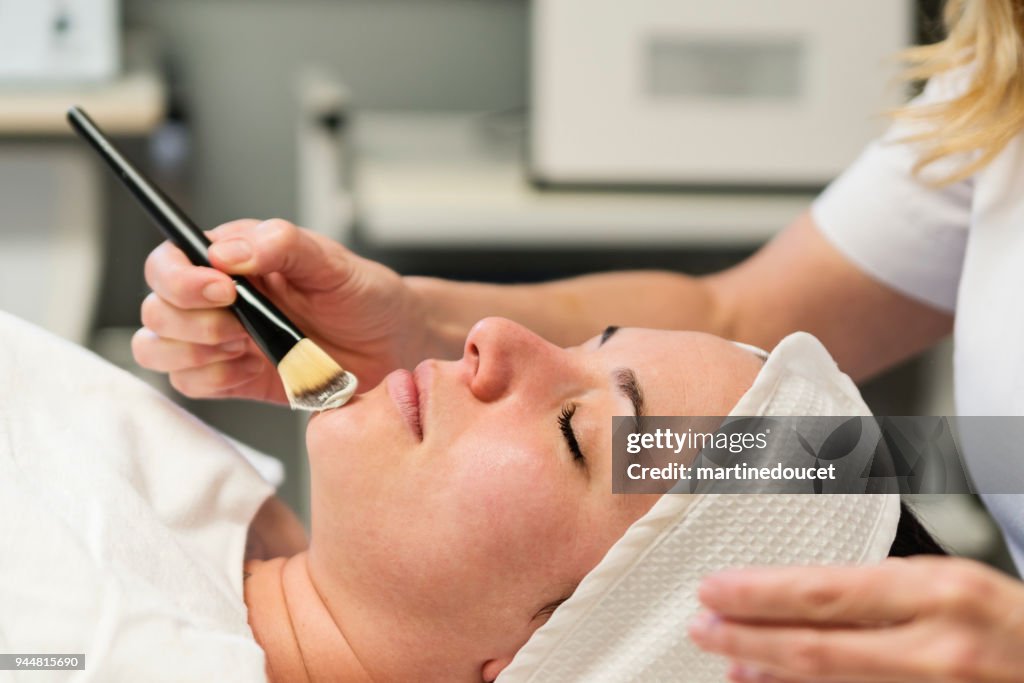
219 292
747 673
709 589
234 346
232 251
269 227
704 624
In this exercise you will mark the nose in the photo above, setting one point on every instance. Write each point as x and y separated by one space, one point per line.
502 354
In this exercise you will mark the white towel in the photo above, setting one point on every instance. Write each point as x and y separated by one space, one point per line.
122 521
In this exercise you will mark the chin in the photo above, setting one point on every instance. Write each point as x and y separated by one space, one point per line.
368 423
338 430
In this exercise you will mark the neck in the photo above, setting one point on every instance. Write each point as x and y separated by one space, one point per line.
290 621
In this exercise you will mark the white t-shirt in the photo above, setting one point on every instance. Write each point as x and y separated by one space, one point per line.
123 522
959 248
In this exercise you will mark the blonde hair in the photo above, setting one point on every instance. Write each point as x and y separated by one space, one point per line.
989 36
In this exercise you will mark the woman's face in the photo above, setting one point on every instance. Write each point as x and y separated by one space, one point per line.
464 500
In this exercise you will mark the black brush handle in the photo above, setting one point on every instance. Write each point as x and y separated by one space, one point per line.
268 326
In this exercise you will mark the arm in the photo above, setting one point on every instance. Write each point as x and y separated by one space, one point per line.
372 320
798 281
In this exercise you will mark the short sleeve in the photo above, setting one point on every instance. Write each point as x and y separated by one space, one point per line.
892 224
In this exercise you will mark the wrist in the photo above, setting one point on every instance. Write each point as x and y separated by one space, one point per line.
440 331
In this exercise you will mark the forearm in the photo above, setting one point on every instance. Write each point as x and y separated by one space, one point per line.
568 311
798 281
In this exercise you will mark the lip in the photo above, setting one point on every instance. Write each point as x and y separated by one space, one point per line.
421 376
404 392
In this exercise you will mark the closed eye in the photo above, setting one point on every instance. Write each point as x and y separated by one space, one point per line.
565 425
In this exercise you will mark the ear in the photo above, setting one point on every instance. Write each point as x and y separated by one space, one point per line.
493 667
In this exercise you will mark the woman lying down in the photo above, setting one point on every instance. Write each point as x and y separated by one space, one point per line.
454 509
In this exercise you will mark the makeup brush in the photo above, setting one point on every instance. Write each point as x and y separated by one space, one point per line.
312 380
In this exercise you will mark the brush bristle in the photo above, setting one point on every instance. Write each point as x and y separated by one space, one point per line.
312 380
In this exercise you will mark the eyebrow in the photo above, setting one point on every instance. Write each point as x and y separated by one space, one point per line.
608 332
625 379
549 609
628 385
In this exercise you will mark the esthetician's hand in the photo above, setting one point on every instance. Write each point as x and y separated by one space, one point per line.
914 619
358 311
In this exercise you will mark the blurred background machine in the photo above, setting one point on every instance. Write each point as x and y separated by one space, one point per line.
732 92
52 234
59 41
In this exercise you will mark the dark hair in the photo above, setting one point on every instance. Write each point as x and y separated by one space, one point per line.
912 538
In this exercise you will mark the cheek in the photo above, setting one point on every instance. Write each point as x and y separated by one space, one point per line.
510 492
509 507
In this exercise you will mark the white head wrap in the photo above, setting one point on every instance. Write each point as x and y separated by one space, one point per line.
627 620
